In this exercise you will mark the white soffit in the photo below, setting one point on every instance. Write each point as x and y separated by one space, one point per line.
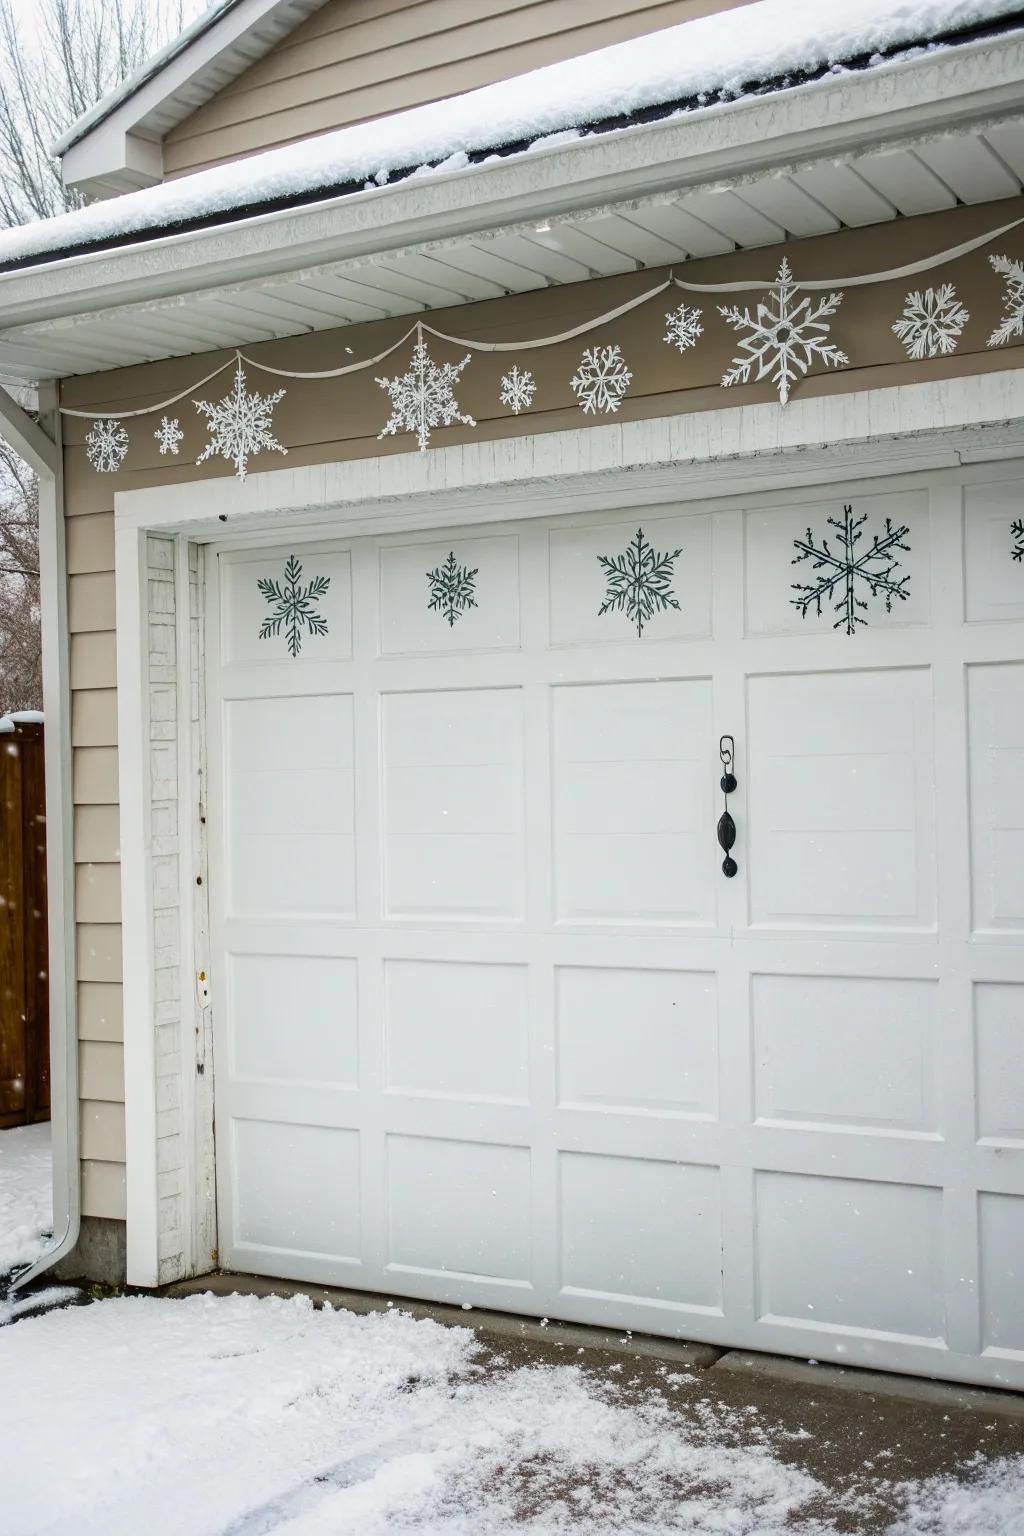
815 199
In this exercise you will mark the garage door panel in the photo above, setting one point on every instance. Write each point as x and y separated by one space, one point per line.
999 1061
640 1041
297 1188
633 813
479 575
458 853
817 546
640 1227
581 564
294 1017
456 1030
847 1253
1001 1243
993 578
848 1051
996 728
841 799
247 606
459 1207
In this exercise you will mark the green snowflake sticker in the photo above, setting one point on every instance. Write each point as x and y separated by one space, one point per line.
294 605
452 589
639 582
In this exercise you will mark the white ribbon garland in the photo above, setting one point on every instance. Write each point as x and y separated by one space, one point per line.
745 285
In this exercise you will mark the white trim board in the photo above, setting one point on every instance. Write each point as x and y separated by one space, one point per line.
921 427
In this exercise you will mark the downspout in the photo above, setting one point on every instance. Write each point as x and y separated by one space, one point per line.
39 444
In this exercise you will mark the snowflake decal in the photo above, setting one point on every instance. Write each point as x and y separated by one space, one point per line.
294 605
639 582
684 327
518 389
452 589
424 397
785 336
168 434
1017 529
843 569
601 380
106 446
240 425
931 322
1012 322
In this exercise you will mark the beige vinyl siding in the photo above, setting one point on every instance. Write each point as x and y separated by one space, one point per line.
360 59
90 552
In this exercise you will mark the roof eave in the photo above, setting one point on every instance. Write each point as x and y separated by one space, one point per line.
837 116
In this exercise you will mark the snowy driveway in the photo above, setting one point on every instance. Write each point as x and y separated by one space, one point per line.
25 1194
242 1416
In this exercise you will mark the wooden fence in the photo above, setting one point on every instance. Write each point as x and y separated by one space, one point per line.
24 1005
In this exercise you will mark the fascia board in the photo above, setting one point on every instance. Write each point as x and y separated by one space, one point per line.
836 116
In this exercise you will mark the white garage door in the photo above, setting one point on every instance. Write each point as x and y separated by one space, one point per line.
492 1024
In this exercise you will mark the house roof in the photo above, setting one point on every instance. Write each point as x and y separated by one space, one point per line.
115 146
768 47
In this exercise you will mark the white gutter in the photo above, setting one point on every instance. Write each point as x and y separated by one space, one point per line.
40 446
835 117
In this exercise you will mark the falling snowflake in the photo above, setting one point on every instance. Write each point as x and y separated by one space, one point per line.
452 589
1012 323
168 434
106 445
1017 529
876 568
785 337
424 397
931 322
639 582
601 380
294 605
240 425
518 389
684 327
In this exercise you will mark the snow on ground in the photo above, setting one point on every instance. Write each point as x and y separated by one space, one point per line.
723 53
241 1416
26 1190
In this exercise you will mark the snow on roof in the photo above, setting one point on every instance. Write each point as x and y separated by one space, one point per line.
19 717
702 62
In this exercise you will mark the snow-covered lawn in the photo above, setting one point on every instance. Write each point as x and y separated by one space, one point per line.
26 1183
242 1416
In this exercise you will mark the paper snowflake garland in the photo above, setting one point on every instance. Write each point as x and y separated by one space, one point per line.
106 446
601 380
1012 322
240 425
931 322
424 397
638 582
518 389
1017 529
684 327
845 574
169 435
786 336
294 606
452 589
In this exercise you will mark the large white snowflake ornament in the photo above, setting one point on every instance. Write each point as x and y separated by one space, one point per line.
601 380
1012 322
106 446
424 397
169 434
684 327
240 424
931 322
786 335
518 388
